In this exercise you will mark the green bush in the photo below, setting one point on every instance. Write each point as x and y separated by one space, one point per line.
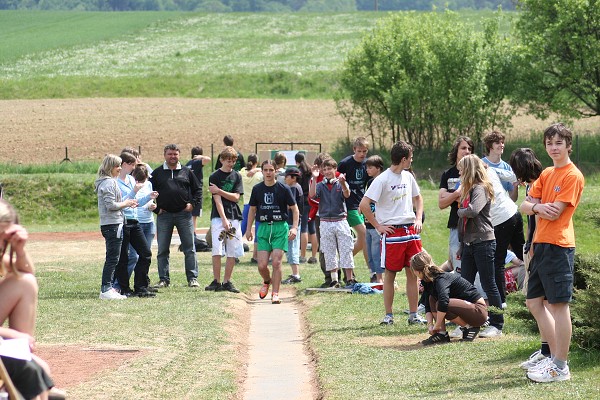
586 307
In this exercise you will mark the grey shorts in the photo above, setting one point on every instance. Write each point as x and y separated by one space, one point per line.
551 273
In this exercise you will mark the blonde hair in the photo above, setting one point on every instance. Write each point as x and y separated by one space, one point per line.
108 163
360 141
473 172
8 216
422 262
228 153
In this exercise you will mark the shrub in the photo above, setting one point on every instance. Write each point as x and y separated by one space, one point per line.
586 307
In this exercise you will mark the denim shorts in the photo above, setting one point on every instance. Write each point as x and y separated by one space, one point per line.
551 273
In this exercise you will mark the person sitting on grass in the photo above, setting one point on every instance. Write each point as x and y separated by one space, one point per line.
449 297
336 237
270 203
18 291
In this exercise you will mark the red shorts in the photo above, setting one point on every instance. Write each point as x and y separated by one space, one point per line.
398 248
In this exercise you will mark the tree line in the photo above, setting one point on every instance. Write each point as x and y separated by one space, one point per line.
255 5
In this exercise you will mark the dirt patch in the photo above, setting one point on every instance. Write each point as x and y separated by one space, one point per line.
37 131
91 128
72 365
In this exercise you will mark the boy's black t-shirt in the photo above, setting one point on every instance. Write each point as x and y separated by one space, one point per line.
356 177
298 195
196 166
450 181
271 202
229 182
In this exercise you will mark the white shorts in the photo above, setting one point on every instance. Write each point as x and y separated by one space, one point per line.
229 247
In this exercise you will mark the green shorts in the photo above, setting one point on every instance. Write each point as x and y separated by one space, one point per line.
273 236
355 218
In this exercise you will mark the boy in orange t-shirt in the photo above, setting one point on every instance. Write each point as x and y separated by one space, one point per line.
553 198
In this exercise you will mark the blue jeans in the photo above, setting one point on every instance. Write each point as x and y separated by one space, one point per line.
479 257
149 231
113 250
374 251
165 223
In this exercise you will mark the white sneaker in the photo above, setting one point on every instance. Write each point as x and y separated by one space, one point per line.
491 332
421 309
418 320
387 320
540 365
550 374
457 333
111 294
533 360
503 306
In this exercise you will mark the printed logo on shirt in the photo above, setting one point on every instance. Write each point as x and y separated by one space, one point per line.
401 186
269 197
557 189
360 174
453 184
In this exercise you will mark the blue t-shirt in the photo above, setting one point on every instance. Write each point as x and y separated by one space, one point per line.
501 165
356 178
271 202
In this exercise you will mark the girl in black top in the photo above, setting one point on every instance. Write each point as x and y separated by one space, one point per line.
450 298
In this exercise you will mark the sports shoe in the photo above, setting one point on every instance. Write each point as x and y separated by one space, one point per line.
302 260
111 294
421 309
457 333
334 284
214 286
540 365
152 289
253 260
228 287
533 360
312 260
350 283
193 283
387 320
326 284
264 290
436 338
491 332
162 284
551 373
418 320
143 292
469 334
275 298
291 279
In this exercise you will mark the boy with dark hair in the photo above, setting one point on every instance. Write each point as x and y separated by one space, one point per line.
553 198
333 225
374 169
239 161
396 193
292 177
196 164
226 187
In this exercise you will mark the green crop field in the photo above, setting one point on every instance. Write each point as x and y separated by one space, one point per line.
72 54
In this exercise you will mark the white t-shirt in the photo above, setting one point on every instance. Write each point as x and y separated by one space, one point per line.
393 194
502 208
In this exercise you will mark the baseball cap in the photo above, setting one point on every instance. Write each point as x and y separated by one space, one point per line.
293 171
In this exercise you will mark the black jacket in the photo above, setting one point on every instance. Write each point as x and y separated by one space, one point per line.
175 189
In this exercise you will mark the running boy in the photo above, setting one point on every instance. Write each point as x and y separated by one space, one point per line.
335 231
553 198
226 186
272 201
395 193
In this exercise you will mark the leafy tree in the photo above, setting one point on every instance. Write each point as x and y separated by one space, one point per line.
425 78
561 54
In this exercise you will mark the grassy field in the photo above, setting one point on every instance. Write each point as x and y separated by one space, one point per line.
190 341
174 54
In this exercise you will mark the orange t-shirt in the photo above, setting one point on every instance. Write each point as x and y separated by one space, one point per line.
564 184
